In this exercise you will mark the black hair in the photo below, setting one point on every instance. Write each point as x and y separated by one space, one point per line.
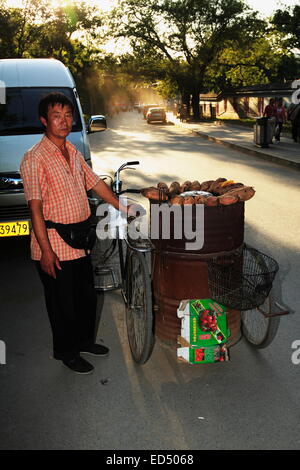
52 99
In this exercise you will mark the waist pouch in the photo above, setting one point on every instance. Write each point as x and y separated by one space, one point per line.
80 235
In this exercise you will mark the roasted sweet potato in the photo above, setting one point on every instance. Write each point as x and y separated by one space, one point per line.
211 201
163 186
243 194
177 201
174 189
200 199
154 193
223 190
195 186
227 183
189 200
215 184
186 186
227 199
206 185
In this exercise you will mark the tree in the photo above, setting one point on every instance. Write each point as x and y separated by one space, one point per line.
265 60
189 34
288 23
65 33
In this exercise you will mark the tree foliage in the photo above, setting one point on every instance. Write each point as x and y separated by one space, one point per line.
288 22
189 34
67 33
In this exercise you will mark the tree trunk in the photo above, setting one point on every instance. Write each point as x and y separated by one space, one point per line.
196 105
185 98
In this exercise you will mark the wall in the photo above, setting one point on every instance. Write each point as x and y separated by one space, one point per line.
239 107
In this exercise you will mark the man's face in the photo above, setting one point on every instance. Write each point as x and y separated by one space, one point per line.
59 122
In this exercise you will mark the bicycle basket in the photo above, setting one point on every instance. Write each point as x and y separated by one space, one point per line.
241 281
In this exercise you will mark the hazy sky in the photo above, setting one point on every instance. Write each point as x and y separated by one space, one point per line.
265 7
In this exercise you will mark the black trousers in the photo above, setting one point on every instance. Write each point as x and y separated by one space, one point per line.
296 130
71 303
278 130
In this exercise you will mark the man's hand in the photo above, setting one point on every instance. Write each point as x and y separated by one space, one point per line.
49 261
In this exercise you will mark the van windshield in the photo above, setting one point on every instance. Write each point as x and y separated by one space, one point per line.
20 113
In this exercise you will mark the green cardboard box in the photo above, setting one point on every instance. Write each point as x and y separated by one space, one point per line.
203 322
208 355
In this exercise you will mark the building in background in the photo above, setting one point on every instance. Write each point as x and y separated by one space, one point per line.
245 102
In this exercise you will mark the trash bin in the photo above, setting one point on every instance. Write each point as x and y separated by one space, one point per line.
262 132
179 274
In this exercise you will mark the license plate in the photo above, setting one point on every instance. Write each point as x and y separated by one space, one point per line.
14 229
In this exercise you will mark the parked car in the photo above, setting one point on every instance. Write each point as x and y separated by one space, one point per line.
146 108
96 123
26 81
156 114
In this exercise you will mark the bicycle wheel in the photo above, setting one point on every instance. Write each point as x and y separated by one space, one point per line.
139 316
259 330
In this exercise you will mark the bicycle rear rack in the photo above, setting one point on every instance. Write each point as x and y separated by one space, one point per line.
283 311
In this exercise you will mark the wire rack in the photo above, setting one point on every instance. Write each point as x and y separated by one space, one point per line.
243 280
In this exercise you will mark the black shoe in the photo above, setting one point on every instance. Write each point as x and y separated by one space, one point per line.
96 350
79 365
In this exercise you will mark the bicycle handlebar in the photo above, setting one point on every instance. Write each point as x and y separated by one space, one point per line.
117 184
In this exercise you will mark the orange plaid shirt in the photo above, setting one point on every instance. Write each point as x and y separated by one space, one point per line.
62 189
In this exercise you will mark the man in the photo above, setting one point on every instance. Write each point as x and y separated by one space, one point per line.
281 118
294 117
56 178
270 113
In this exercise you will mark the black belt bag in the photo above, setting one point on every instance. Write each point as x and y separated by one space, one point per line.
80 235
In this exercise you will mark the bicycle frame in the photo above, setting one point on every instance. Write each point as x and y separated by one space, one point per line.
142 245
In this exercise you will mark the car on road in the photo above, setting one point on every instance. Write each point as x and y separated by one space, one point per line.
146 108
156 115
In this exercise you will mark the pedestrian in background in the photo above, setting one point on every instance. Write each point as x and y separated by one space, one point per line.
270 113
294 117
281 118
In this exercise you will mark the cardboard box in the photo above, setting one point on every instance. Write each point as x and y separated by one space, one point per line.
203 322
204 332
208 355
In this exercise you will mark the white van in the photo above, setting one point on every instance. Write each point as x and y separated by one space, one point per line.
25 81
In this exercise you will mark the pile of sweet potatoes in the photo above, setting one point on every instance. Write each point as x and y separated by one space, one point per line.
220 191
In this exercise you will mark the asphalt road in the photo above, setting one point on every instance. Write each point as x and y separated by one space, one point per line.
251 402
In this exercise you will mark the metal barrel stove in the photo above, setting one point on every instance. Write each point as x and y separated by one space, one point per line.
178 273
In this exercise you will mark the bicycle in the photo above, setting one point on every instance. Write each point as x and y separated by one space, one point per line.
134 274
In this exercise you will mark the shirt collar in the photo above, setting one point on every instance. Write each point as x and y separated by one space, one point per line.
51 146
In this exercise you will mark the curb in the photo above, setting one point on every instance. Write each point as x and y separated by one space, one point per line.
247 151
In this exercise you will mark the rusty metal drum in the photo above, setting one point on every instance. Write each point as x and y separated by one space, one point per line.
178 273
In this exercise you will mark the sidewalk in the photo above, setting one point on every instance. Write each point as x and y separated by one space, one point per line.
240 138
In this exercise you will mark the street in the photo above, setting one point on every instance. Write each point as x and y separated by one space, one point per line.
251 402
